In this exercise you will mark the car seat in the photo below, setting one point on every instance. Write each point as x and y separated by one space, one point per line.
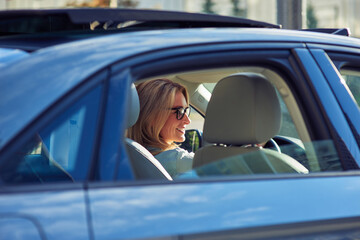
243 112
144 164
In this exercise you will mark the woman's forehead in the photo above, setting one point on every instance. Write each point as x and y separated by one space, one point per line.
180 100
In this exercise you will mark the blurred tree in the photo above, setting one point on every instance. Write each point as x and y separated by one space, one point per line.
127 3
353 83
237 11
192 142
93 3
208 6
311 19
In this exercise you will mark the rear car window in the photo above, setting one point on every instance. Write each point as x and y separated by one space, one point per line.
59 152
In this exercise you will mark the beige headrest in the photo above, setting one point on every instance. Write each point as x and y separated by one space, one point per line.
243 109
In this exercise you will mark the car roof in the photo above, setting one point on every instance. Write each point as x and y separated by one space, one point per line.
52 72
8 56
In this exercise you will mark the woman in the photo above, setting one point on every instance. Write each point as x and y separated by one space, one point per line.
164 114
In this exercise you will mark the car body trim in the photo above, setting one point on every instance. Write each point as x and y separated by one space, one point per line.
334 48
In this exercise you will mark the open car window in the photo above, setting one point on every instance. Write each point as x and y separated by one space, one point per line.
291 150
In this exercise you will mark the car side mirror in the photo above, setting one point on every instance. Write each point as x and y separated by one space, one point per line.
193 140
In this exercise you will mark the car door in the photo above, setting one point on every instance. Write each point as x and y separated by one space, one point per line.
240 206
45 170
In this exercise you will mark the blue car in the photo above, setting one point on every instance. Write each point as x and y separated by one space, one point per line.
67 171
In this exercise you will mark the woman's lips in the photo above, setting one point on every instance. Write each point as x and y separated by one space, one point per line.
181 130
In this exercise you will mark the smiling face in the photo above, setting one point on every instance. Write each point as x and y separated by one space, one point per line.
174 129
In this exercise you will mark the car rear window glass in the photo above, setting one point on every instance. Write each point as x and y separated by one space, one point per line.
352 79
59 152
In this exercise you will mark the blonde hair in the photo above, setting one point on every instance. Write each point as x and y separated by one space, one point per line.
156 99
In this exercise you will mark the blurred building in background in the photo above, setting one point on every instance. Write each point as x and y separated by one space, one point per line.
337 14
289 13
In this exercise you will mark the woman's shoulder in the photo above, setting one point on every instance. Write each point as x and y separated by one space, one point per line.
177 153
182 153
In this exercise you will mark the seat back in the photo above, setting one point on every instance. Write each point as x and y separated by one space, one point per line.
244 110
144 164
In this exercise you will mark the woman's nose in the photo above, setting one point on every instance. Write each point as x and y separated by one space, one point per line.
186 119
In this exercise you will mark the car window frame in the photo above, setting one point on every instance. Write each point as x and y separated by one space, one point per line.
162 62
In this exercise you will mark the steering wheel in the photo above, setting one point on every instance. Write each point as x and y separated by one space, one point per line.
273 145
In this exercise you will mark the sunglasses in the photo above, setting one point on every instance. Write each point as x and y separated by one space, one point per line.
180 112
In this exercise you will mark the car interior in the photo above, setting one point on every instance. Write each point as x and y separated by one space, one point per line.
247 121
